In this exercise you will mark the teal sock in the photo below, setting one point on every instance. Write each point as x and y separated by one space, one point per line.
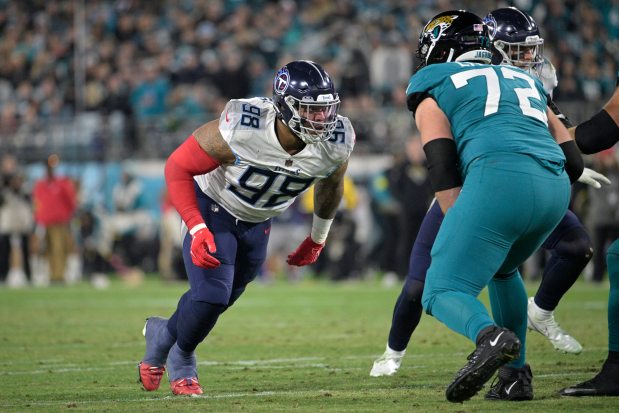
508 300
461 312
612 259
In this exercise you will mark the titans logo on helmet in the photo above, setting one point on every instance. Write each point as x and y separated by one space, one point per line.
490 21
281 81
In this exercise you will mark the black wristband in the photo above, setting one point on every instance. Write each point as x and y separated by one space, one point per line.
442 156
597 134
574 165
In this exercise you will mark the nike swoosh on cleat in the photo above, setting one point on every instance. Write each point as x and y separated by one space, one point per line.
496 339
507 390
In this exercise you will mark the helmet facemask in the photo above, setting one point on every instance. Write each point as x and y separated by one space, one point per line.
306 100
313 121
527 55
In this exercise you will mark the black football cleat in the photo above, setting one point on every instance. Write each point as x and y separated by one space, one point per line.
605 383
496 347
513 384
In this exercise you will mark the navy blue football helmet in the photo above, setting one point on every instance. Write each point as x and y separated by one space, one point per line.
454 36
515 38
306 100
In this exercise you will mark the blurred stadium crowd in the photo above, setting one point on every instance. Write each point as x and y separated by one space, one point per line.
105 81
139 71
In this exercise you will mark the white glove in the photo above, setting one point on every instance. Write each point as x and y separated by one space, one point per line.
548 75
590 177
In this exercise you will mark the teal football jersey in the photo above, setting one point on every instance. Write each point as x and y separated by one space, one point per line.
491 109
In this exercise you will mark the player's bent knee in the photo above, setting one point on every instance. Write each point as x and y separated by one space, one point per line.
413 291
203 310
576 245
506 276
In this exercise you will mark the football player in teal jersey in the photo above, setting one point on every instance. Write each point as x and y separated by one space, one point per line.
489 127
516 41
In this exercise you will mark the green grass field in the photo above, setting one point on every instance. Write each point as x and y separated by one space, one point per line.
283 347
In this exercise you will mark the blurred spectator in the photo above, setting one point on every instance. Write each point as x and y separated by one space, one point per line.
355 75
232 80
603 213
151 70
146 50
401 197
129 231
390 64
410 186
386 212
148 99
116 105
55 202
170 259
16 225
95 265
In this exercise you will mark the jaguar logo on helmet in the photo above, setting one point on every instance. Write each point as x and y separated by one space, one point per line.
281 81
437 26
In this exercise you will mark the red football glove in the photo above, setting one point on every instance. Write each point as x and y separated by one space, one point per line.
202 246
306 253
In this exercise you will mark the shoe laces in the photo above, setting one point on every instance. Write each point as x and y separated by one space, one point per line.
552 326
158 370
390 354
522 376
188 382
496 383
525 377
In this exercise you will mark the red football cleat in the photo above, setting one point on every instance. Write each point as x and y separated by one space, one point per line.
188 386
150 376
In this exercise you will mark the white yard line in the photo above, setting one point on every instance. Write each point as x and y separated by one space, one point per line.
55 366
180 398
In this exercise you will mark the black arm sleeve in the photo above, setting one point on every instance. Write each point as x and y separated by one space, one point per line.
442 156
597 134
574 164
414 99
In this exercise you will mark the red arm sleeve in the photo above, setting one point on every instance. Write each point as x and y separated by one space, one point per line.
188 160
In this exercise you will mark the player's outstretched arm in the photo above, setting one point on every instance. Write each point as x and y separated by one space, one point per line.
201 153
328 194
600 132
588 176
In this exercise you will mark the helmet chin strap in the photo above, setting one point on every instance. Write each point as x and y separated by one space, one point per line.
451 55
429 51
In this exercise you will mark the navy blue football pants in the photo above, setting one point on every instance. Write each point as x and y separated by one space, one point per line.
241 249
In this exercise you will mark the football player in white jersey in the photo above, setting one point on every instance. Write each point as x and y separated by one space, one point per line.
227 181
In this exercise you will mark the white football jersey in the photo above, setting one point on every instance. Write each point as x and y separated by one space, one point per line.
265 179
548 76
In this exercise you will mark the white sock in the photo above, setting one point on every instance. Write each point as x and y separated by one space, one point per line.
540 311
394 352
